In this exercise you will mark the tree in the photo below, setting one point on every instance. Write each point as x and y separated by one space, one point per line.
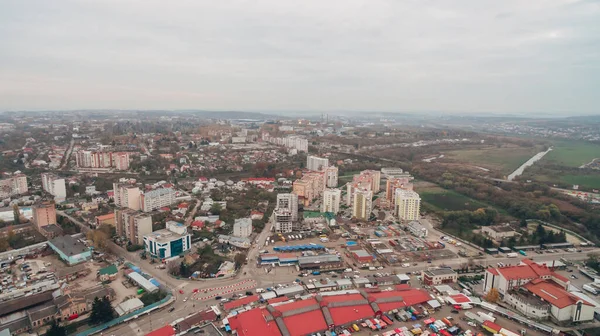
16 214
215 209
492 295
102 311
523 223
4 246
56 330
239 259
98 237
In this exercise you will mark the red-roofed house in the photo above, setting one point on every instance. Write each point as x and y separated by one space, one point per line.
197 225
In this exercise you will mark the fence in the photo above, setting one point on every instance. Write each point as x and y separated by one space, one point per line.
125 317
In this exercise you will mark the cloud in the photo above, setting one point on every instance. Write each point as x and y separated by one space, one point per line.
467 56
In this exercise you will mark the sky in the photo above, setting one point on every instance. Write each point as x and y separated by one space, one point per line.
468 56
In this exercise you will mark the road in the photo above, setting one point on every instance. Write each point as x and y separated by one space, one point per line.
68 154
192 213
529 163
222 287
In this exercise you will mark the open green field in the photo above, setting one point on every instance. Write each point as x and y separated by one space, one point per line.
573 153
591 181
448 200
503 159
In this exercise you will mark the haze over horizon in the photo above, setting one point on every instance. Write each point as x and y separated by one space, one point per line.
508 57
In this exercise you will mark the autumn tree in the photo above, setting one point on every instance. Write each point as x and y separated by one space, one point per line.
492 295
99 238
16 214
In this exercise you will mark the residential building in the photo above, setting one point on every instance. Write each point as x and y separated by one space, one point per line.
498 232
331 177
121 161
438 276
12 186
331 200
288 202
102 160
366 180
283 221
390 173
417 229
126 196
391 185
70 250
242 227
108 273
408 205
132 225
108 219
241 242
44 218
362 204
157 199
316 163
165 244
55 186
309 187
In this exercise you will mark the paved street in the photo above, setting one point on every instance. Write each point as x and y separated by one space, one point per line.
279 275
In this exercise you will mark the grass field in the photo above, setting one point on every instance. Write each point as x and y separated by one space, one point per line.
448 200
573 153
592 181
504 159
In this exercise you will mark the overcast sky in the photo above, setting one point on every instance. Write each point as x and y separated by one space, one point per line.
509 56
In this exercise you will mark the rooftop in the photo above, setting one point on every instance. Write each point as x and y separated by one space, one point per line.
164 331
553 293
68 245
501 228
163 236
241 302
254 323
439 271
323 258
108 270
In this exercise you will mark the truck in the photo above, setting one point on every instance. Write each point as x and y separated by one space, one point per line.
590 288
511 255
521 252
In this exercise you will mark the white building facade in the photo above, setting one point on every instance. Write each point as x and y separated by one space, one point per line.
331 200
316 163
55 186
242 227
157 198
408 205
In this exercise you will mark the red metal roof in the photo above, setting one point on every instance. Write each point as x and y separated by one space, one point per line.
164 331
343 315
342 298
253 323
460 298
240 302
279 299
305 323
409 297
553 294
296 305
492 325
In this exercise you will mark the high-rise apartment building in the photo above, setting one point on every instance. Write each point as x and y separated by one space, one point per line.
14 185
316 163
121 161
55 186
309 187
366 180
391 185
408 205
289 202
331 200
362 204
100 159
286 212
157 198
126 196
133 225
331 177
